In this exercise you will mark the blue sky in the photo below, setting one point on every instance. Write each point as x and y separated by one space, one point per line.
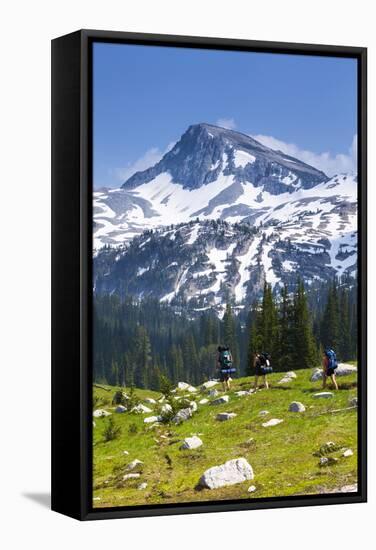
146 97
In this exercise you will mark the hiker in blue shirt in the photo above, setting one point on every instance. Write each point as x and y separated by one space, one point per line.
225 366
329 364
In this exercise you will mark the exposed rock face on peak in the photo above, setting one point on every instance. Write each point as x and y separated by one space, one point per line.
218 216
205 151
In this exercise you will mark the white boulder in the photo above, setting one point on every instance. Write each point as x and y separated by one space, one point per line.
296 407
323 395
191 442
229 473
182 416
135 465
213 393
100 413
203 401
150 400
272 422
191 389
221 400
151 419
183 386
251 489
193 406
142 486
141 409
120 409
131 476
225 416
348 453
343 369
286 379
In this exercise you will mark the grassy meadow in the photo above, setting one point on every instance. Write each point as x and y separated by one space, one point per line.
281 456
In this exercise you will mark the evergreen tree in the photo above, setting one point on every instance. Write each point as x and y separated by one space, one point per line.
304 353
229 334
329 334
284 358
344 350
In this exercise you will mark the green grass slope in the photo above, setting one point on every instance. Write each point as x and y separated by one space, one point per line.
281 456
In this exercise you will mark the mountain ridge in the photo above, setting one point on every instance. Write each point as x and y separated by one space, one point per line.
315 215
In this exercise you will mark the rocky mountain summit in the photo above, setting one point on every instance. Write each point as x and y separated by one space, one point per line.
217 216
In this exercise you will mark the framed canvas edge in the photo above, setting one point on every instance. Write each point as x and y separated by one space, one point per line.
87 512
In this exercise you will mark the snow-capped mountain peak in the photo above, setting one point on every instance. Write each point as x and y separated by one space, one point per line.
279 217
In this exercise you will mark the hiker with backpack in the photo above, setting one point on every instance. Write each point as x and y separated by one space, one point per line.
261 364
329 363
225 366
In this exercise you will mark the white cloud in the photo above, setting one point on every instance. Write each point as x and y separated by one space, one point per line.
228 123
328 163
148 159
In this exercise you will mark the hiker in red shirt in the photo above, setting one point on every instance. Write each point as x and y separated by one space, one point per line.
328 371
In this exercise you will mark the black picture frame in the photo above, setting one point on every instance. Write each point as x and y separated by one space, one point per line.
71 272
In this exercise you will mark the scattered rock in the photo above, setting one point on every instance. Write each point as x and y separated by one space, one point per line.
150 400
323 395
263 413
290 374
213 393
286 379
296 407
135 465
191 443
166 408
317 375
203 401
131 476
328 461
230 473
100 413
141 409
193 406
120 409
182 416
125 452
343 369
353 402
191 389
225 416
209 384
251 489
142 486
242 393
348 453
161 399
151 419
183 386
96 498
94 424
221 400
272 422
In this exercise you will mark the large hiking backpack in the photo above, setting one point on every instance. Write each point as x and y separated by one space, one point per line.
226 361
332 359
265 363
